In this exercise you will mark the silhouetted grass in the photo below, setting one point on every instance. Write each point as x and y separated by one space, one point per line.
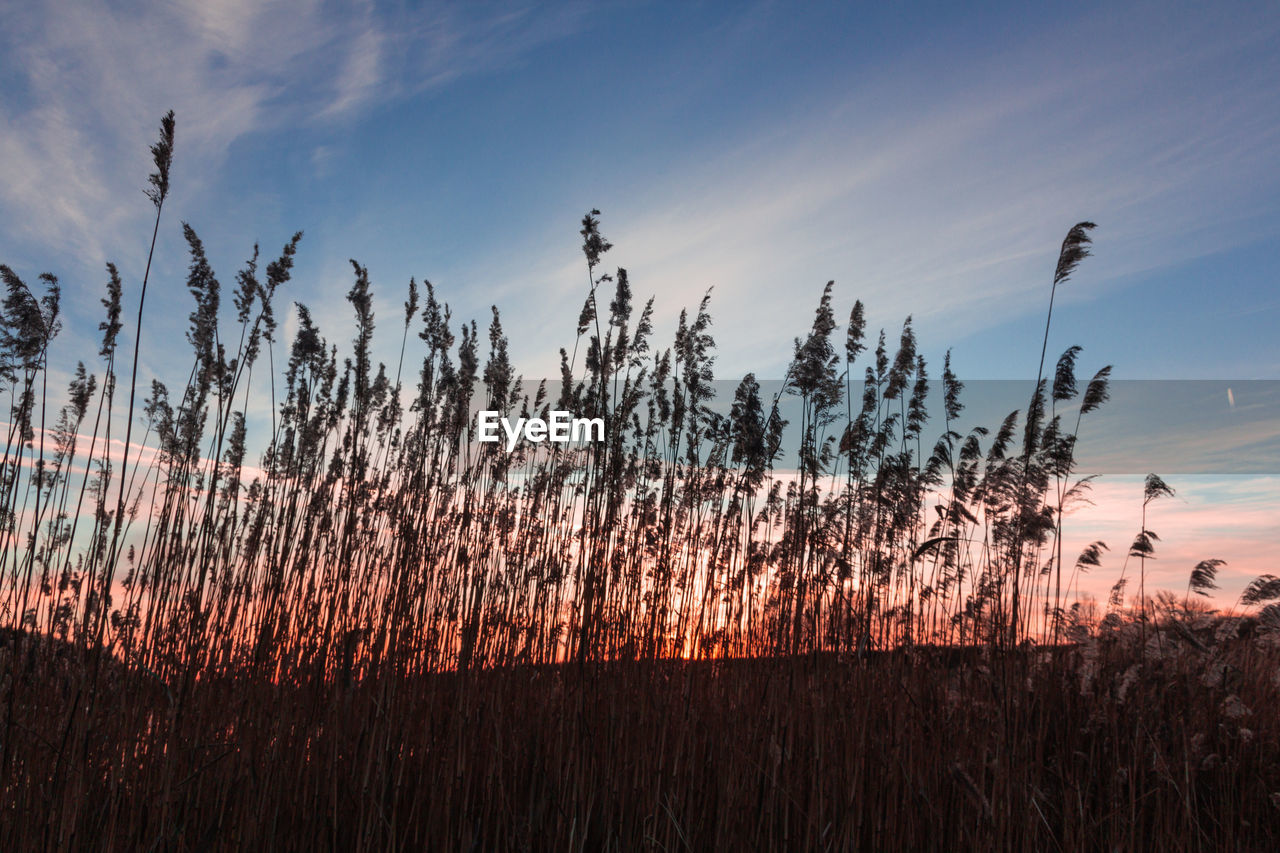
386 635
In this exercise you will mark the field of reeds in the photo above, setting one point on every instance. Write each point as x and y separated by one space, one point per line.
849 627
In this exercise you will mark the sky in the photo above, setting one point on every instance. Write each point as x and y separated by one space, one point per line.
929 159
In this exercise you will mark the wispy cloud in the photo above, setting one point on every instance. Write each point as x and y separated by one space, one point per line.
362 73
94 77
945 194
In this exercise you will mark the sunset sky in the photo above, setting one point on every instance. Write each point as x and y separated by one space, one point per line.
929 160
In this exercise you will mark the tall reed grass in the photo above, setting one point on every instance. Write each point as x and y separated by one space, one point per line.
385 633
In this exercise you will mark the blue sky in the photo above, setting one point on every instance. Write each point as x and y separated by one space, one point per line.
928 159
